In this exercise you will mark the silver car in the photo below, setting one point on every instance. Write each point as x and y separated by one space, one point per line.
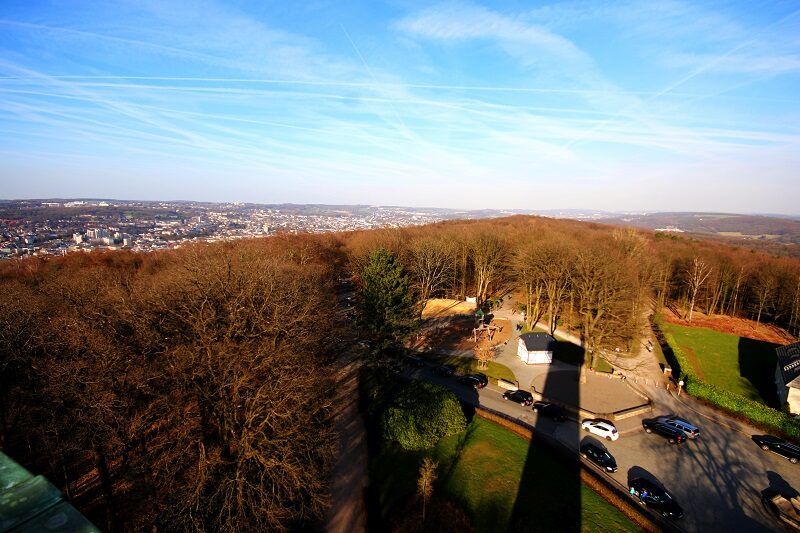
691 431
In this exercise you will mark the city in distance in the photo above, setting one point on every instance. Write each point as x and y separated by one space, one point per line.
59 226
400 266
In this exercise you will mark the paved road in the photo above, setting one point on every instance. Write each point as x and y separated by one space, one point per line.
717 479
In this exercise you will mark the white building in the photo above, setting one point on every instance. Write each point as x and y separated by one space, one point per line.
536 348
787 376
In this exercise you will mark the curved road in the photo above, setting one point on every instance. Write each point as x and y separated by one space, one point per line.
717 479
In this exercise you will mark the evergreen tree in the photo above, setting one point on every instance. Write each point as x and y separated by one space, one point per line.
385 300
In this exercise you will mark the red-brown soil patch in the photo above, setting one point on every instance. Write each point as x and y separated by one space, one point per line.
695 362
736 326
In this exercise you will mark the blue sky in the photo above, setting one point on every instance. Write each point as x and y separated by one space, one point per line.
614 105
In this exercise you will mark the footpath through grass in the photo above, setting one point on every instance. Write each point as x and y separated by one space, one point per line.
481 470
737 364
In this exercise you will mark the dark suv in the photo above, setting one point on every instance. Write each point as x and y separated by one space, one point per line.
549 410
599 456
520 396
782 447
655 497
415 361
672 434
478 381
444 370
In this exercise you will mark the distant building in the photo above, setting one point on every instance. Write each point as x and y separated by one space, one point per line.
670 228
536 348
787 376
78 237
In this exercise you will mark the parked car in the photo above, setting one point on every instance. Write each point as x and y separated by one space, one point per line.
782 447
477 380
484 379
472 380
549 410
415 361
672 434
599 456
520 396
655 497
691 430
601 428
782 507
444 370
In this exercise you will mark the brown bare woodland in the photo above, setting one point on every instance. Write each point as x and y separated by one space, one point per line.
198 388
190 389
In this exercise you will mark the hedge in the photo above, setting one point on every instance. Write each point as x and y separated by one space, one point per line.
755 412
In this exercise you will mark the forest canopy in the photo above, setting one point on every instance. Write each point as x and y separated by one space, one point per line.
191 389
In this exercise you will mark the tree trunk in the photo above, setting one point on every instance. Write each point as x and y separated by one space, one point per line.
107 487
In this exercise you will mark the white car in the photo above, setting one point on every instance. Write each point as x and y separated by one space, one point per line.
601 428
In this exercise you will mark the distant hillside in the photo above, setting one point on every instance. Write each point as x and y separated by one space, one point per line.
773 234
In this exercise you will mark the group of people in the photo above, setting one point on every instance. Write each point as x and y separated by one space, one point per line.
642 495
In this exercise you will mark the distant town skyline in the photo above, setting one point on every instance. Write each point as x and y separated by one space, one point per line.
612 106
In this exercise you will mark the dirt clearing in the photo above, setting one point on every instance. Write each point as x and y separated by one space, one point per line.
445 307
736 326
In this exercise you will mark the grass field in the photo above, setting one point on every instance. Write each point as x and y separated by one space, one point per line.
468 365
481 469
738 364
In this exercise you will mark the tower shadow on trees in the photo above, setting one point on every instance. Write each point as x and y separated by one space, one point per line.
549 493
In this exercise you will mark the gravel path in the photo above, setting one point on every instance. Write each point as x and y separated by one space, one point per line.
349 477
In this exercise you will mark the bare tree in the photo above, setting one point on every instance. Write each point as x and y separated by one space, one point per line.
526 263
483 353
603 287
245 331
555 273
488 254
697 274
427 476
764 286
430 262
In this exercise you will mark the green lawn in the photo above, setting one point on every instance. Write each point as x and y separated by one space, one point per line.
739 365
469 365
482 469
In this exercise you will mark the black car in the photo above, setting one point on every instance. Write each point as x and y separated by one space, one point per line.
484 380
655 497
599 456
478 381
444 370
415 361
520 396
782 447
549 410
672 434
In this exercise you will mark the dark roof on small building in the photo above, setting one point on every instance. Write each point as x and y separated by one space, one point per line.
538 342
789 361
